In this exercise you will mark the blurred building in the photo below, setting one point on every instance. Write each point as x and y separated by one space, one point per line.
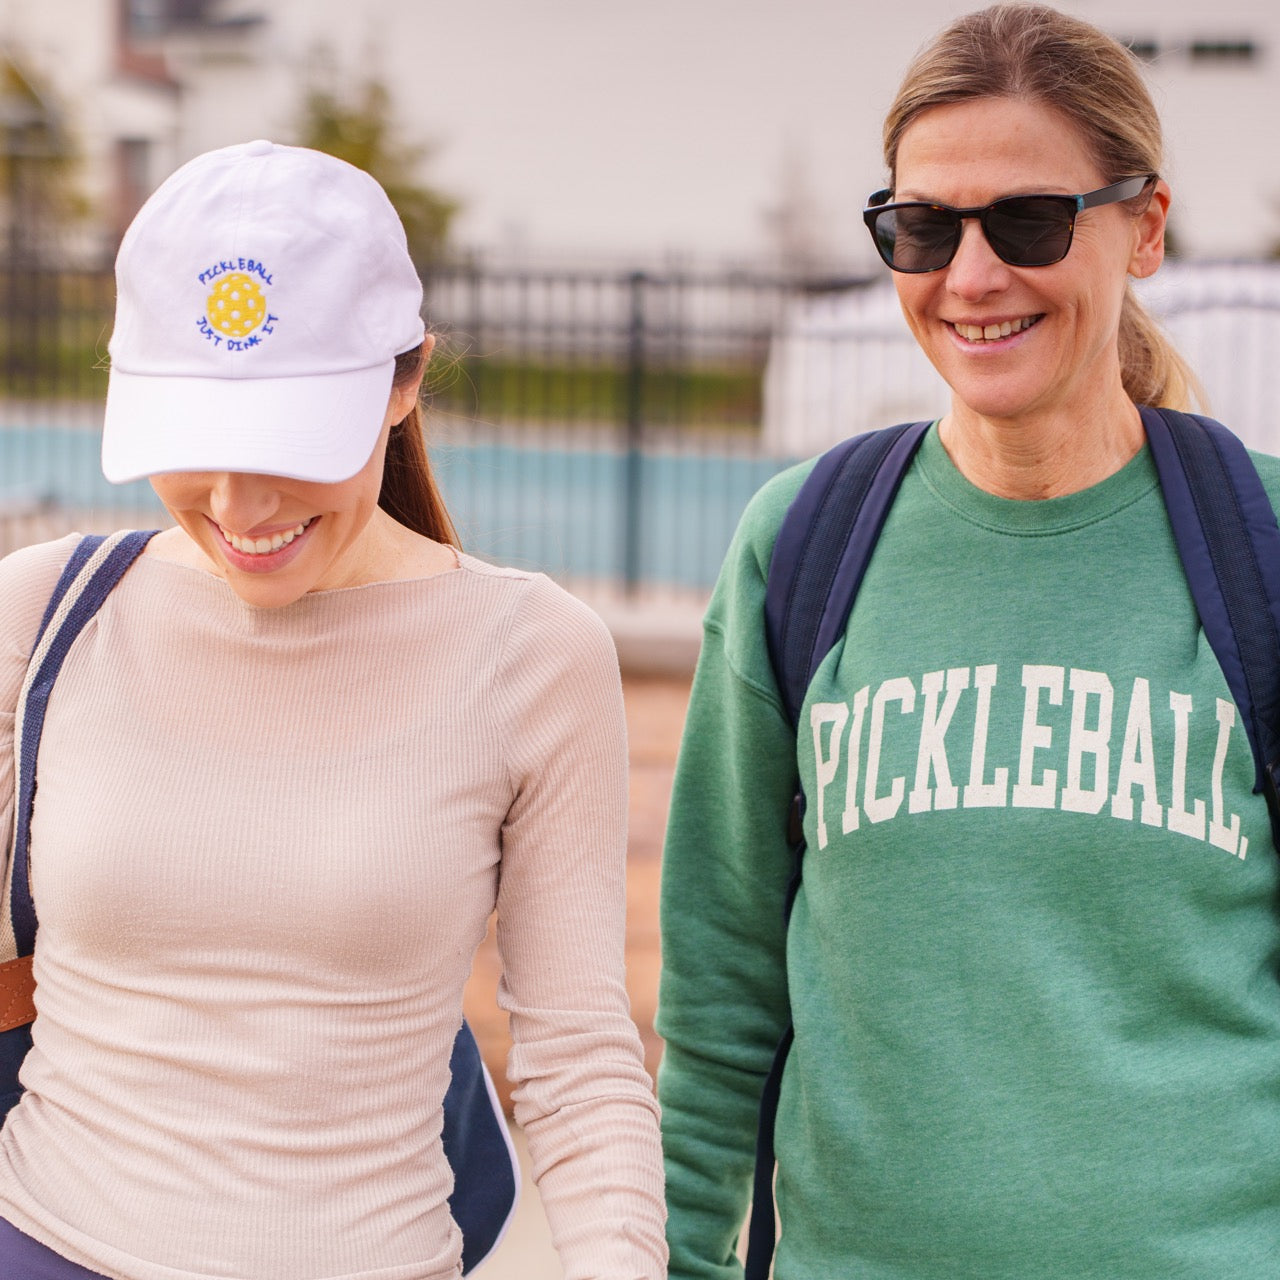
678 130
106 89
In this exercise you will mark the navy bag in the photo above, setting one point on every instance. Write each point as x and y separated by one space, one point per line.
1227 538
476 1142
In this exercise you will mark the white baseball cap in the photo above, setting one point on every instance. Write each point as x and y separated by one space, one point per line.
262 295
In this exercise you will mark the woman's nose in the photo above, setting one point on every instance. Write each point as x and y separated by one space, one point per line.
976 270
240 502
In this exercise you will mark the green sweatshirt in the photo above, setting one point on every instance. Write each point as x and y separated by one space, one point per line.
1033 964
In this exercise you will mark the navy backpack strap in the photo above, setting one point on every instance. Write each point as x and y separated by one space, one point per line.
820 556
762 1228
823 546
94 568
1227 536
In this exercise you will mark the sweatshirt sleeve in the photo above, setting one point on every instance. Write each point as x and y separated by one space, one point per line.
723 1003
581 1093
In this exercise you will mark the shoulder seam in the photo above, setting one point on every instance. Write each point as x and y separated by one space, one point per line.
761 691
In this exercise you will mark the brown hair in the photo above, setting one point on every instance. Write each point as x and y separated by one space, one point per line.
409 491
1032 51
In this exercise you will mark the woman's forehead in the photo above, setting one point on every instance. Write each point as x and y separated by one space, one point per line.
978 150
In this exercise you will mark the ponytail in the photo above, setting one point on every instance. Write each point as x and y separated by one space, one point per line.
1150 366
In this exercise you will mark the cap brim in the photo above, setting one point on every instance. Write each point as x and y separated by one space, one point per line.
320 428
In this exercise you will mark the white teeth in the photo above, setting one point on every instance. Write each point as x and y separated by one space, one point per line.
262 546
990 332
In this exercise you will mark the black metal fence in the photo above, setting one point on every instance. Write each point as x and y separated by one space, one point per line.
605 426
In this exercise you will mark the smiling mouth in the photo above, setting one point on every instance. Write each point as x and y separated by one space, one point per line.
994 332
264 546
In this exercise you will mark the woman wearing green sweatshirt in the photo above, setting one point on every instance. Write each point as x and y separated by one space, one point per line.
1032 964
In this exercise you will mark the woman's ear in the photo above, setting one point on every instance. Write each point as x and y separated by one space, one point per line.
404 395
1149 227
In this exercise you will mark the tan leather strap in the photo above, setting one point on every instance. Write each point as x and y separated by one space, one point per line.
17 993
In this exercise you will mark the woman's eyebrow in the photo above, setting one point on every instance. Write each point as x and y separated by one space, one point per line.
1011 193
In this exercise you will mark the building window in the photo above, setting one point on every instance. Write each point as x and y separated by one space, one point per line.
1144 49
133 179
1236 51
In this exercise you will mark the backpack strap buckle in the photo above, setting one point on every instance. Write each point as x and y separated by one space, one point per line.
795 822
1271 789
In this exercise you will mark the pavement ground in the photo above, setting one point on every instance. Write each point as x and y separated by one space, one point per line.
655 715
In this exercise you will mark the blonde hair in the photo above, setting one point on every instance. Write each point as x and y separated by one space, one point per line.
1034 52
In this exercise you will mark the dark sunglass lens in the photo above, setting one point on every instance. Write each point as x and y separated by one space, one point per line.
1032 231
917 237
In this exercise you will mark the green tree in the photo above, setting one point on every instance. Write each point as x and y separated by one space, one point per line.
360 129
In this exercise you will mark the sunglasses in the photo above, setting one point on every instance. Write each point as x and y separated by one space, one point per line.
1024 231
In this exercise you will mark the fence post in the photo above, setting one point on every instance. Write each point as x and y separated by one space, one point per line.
633 458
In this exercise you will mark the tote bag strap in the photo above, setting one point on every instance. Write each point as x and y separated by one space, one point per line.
94 568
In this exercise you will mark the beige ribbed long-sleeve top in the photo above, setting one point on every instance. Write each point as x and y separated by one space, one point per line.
264 850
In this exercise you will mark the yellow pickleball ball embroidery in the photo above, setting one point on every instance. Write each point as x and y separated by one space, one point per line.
236 305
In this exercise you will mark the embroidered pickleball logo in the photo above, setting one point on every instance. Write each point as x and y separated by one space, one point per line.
237 306
237 313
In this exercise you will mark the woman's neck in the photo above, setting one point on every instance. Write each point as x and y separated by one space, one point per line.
1044 456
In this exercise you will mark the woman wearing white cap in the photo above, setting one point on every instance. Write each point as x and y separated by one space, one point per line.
303 751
